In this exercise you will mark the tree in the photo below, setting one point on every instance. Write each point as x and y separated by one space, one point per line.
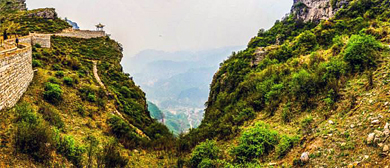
255 142
205 151
52 93
361 52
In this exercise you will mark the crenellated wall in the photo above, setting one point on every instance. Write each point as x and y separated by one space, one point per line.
16 73
41 39
32 39
86 34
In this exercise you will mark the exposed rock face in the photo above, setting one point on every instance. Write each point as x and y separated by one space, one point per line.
316 10
21 5
47 13
258 56
12 5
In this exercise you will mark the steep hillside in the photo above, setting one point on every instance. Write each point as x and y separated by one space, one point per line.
7 6
306 86
307 92
81 109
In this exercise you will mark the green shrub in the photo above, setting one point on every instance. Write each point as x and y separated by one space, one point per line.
111 157
361 52
119 127
335 68
125 91
52 117
101 103
60 74
36 63
81 110
88 93
305 43
307 121
53 80
35 140
285 144
56 67
68 81
52 93
206 163
91 97
92 149
32 136
338 44
303 86
306 124
75 64
331 98
157 130
25 114
282 54
122 130
256 142
204 152
73 152
272 98
37 45
160 136
244 115
286 113
82 73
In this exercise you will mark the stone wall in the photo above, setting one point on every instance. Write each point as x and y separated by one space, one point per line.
16 73
25 40
32 39
41 39
86 34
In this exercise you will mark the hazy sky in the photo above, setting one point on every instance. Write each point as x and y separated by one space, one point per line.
172 25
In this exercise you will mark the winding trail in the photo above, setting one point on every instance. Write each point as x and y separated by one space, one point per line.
96 75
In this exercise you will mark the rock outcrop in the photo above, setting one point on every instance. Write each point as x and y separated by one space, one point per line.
46 13
316 10
20 5
12 5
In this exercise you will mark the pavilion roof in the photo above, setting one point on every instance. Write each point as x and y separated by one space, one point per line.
100 25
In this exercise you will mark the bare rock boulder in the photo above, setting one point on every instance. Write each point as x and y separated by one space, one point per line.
305 157
370 138
386 148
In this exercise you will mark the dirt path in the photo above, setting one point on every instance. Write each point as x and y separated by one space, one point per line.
96 75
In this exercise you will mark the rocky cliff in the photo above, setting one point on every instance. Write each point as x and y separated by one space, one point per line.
12 5
315 10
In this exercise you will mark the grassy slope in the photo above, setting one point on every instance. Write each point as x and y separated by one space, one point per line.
92 119
85 107
233 91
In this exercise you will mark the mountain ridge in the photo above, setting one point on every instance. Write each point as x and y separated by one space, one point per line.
67 117
289 98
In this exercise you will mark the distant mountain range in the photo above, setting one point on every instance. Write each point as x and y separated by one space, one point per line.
73 24
177 82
